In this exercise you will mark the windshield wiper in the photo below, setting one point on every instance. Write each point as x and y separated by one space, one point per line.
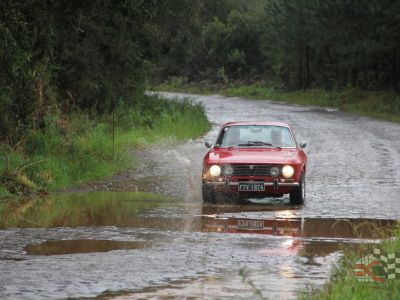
259 143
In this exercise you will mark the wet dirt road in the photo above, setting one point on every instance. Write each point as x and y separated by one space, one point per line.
109 241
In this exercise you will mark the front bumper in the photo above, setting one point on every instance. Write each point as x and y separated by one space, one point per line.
236 183
272 188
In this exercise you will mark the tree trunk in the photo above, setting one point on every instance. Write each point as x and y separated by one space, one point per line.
394 71
307 67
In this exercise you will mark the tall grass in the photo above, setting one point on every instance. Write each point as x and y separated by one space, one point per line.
378 104
344 285
77 148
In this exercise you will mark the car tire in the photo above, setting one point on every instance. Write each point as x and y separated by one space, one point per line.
298 195
208 194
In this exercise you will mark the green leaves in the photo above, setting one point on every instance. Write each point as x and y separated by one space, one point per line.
69 54
63 55
298 44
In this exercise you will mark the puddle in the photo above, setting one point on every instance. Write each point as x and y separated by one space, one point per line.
81 209
82 246
301 227
279 220
143 210
315 248
206 244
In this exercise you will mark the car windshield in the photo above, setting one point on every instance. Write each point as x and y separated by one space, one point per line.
255 136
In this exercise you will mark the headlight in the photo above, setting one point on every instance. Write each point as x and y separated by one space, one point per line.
275 171
228 170
215 171
287 171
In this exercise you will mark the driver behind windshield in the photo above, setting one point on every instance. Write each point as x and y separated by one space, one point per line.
253 136
276 137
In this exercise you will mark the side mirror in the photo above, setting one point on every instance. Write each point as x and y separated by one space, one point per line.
208 144
303 145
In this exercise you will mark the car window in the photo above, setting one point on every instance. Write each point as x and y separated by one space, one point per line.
232 136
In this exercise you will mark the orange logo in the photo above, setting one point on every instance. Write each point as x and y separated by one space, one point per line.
366 268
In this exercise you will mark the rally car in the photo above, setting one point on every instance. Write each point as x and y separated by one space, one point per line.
254 160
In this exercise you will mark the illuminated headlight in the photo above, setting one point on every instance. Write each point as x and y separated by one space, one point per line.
287 171
215 171
228 170
274 171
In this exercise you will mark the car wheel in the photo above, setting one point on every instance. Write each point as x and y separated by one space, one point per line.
208 194
298 194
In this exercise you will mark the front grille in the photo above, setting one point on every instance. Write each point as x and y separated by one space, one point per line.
252 170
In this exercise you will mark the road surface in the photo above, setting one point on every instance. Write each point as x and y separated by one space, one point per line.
179 248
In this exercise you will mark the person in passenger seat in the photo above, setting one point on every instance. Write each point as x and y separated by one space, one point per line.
234 137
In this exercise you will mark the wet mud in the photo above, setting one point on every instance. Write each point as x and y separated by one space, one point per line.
109 240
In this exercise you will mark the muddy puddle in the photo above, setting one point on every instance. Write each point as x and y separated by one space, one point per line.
81 246
128 245
144 210
81 209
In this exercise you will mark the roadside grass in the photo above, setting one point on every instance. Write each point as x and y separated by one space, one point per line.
76 148
344 285
383 105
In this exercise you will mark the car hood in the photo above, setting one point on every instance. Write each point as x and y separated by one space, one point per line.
252 156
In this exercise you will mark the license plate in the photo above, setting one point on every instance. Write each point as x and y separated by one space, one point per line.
250 224
251 187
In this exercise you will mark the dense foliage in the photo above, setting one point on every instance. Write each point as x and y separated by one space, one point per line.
63 55
295 44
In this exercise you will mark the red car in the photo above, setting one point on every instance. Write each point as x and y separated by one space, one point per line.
254 160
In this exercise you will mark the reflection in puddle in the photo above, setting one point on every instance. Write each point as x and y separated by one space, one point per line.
289 223
141 210
82 209
275 242
208 209
312 248
305 237
82 246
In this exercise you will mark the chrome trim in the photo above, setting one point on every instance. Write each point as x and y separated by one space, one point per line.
215 182
289 184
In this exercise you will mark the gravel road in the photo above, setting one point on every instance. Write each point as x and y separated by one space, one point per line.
182 248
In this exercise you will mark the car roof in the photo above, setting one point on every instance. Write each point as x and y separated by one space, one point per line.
256 123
